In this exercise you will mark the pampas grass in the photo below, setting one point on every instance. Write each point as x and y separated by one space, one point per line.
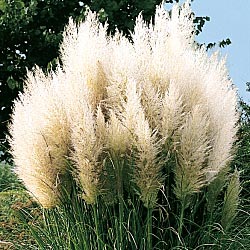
231 200
40 139
146 125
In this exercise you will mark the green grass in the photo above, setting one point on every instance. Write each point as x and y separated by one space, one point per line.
13 233
75 225
13 198
8 180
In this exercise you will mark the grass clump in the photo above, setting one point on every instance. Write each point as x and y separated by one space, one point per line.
126 145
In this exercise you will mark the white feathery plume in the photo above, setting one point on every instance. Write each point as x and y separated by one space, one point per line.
100 129
147 169
192 150
142 50
120 68
84 53
231 200
110 92
40 139
118 136
151 100
86 148
170 40
223 114
172 112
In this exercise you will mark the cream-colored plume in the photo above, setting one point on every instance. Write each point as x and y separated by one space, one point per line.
40 139
147 169
231 200
192 149
86 148
111 94
85 55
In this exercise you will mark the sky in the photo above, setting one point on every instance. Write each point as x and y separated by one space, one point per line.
229 19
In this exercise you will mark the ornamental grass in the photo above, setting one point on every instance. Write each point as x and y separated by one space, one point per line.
127 144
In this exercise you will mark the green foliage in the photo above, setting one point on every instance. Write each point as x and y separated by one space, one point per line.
8 180
242 159
77 225
231 200
122 14
13 198
13 233
242 155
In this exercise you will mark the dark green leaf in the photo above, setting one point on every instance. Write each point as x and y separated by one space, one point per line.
12 83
